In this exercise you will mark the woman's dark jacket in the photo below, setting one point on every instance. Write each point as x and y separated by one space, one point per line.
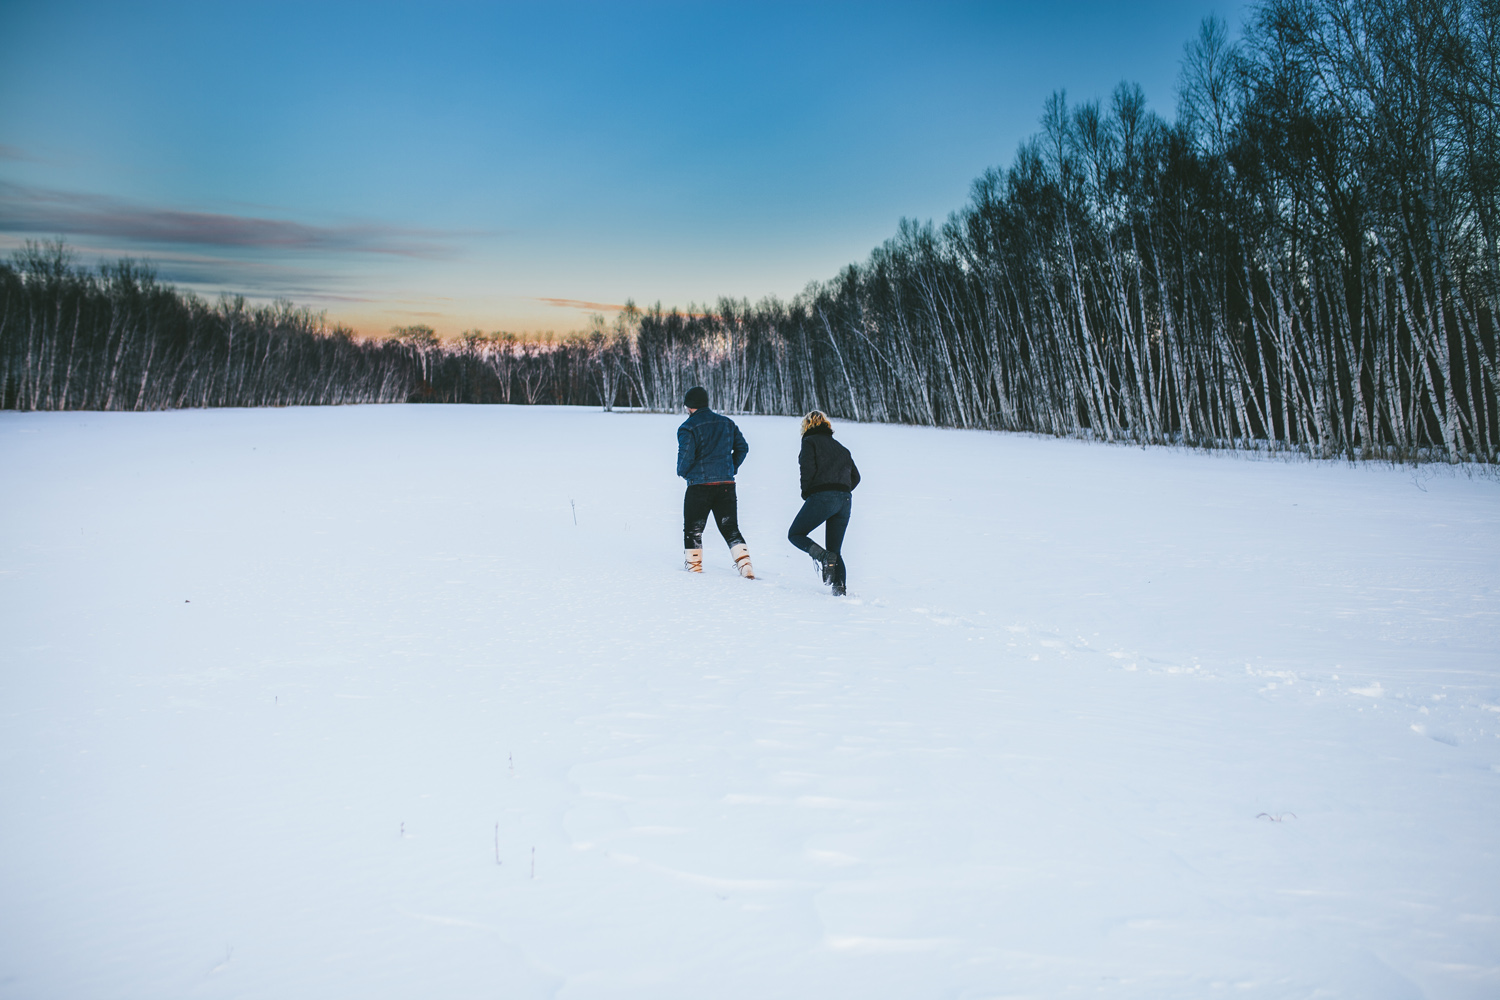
826 464
710 448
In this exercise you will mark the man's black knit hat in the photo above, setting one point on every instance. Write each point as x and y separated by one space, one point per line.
696 398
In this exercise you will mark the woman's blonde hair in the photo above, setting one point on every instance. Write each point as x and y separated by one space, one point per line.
815 419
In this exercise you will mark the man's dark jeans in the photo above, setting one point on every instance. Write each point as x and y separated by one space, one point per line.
832 507
698 502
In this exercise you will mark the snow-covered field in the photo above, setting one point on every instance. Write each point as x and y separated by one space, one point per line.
318 703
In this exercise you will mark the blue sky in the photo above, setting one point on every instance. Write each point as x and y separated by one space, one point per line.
517 166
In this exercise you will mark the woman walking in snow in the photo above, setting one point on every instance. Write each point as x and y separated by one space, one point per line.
829 476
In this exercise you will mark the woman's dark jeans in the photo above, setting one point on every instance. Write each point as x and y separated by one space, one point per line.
832 507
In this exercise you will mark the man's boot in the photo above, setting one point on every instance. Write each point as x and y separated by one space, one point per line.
741 555
692 560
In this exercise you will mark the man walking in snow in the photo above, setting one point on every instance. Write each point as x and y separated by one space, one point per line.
710 449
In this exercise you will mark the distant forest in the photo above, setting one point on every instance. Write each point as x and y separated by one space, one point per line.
1307 258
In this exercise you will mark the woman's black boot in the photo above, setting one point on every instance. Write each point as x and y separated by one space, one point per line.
819 556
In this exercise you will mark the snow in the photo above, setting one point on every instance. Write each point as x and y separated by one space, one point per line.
342 702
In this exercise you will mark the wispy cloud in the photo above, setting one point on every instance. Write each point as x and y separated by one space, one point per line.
207 274
17 154
580 304
25 209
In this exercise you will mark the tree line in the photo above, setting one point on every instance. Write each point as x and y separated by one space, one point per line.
117 339
1307 257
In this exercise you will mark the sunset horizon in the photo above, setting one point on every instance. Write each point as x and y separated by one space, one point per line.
493 178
